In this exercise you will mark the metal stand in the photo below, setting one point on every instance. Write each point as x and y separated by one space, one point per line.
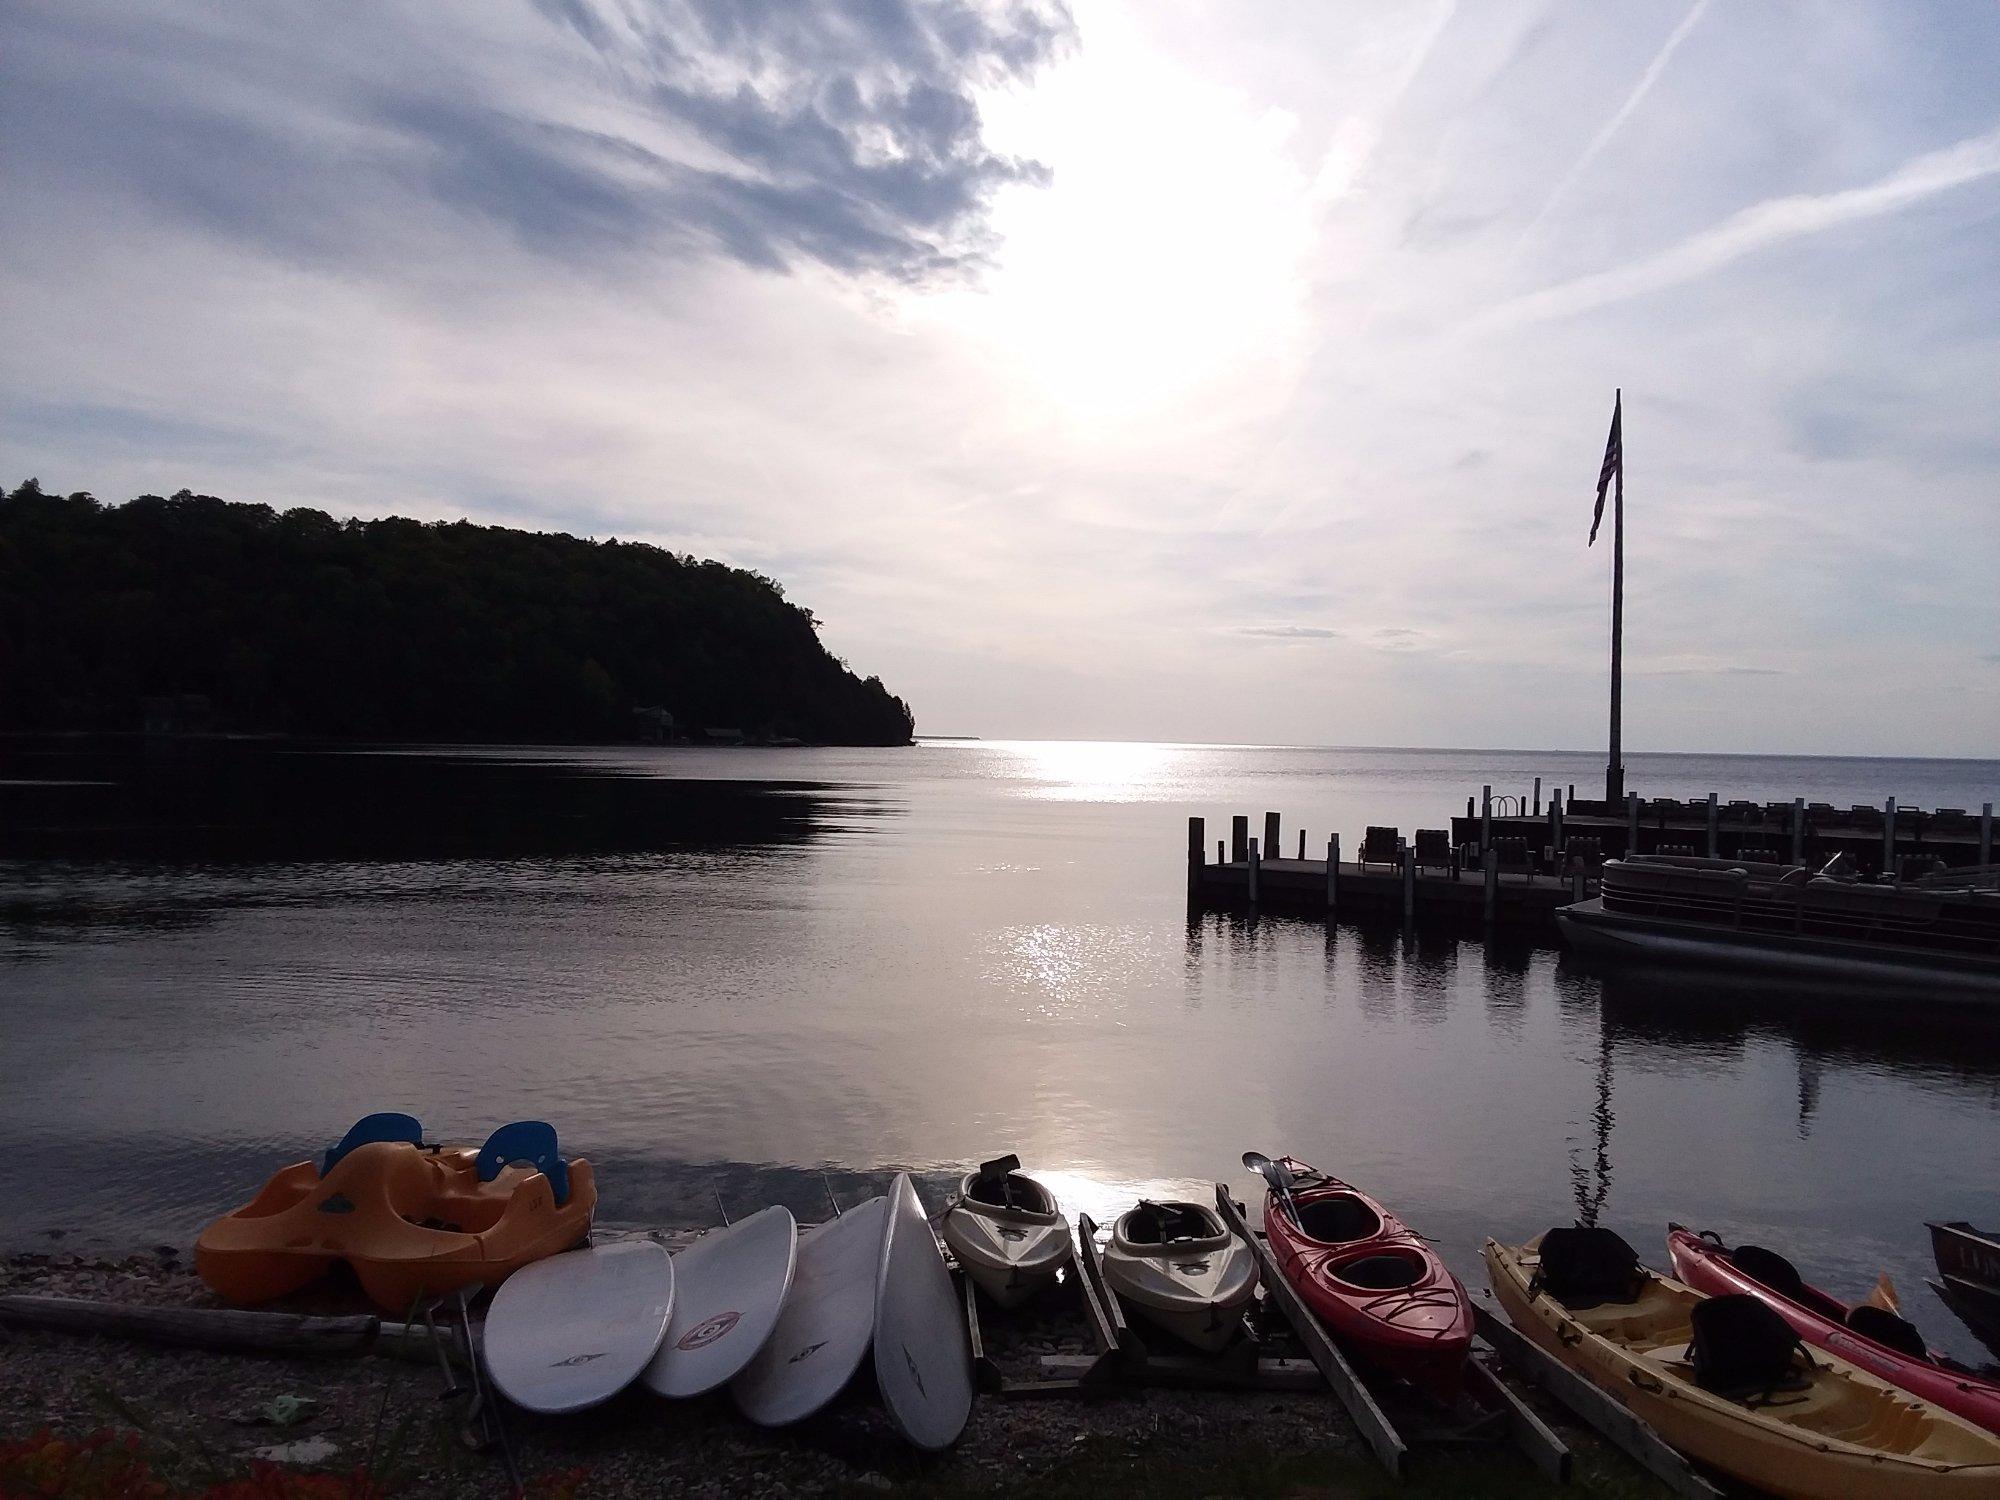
1243 1366
479 1416
1490 1413
1073 1376
1629 1432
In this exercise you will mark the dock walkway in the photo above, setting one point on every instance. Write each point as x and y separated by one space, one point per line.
1488 896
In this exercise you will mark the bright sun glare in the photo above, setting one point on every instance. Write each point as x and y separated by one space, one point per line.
1165 257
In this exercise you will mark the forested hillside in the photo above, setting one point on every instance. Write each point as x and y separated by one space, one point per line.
398 629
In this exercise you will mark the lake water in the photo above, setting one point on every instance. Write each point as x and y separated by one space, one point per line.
724 971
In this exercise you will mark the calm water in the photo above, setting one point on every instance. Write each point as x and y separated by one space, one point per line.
722 971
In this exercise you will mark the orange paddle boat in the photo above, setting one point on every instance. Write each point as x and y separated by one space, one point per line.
413 1221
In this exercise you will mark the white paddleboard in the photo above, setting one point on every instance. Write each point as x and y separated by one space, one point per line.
923 1356
577 1328
729 1287
828 1320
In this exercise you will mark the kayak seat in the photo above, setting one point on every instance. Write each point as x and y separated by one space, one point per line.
1163 1223
1012 1191
1886 1328
1335 1221
530 1141
386 1126
1382 1273
1001 1184
1768 1268
1586 1267
1741 1348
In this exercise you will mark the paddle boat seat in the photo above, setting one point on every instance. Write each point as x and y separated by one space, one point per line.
412 1220
387 1126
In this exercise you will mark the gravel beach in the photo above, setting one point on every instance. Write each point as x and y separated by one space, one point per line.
204 1417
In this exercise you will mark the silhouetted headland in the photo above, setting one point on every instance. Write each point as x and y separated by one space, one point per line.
196 613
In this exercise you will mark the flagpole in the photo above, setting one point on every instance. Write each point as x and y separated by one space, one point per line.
1614 769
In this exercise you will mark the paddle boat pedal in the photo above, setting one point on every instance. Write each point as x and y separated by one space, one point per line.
414 1221
1484 1413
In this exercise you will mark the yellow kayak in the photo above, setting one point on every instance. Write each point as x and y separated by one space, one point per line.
1818 1429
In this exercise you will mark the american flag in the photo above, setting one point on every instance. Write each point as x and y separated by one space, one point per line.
1614 465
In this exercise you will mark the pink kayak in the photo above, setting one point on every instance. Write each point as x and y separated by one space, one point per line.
1877 1340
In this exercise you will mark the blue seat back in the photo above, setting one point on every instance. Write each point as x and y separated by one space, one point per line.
387 1126
530 1141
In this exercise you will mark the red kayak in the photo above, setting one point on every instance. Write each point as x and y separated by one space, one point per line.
1871 1337
1380 1290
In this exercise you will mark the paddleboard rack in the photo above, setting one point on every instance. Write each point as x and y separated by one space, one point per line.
1488 1415
1075 1375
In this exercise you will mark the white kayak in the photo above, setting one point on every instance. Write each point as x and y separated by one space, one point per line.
577 1328
1007 1231
923 1356
729 1288
827 1322
1178 1266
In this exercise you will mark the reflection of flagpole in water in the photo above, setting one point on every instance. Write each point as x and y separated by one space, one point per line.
1808 1089
1590 1196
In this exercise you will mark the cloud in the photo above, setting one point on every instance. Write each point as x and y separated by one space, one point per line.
773 134
1762 227
777 284
1620 115
1730 670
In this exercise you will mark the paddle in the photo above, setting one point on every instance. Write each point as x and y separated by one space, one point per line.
1277 1176
1884 1296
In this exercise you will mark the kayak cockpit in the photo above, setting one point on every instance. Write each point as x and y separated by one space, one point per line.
1014 1190
1383 1270
1338 1219
1156 1228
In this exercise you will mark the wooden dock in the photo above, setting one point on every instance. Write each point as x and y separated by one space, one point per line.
1398 890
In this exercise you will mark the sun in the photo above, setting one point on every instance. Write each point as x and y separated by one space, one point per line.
1164 262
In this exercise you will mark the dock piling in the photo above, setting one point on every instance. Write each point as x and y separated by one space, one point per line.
1485 816
1631 823
1798 830
1538 796
1239 838
1197 840
1273 848
1713 831
1556 817
1490 867
1302 843
1332 874
1986 834
1889 838
1408 859
1252 861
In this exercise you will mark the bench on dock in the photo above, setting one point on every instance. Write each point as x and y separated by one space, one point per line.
1586 851
1382 846
1514 855
1434 851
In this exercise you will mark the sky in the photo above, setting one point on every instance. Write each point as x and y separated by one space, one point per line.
1151 370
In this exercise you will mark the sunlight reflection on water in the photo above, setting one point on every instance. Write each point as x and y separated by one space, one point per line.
929 957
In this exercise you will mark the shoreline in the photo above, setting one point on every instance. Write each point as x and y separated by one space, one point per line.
202 1418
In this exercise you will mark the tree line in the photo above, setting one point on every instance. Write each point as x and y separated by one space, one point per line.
300 623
